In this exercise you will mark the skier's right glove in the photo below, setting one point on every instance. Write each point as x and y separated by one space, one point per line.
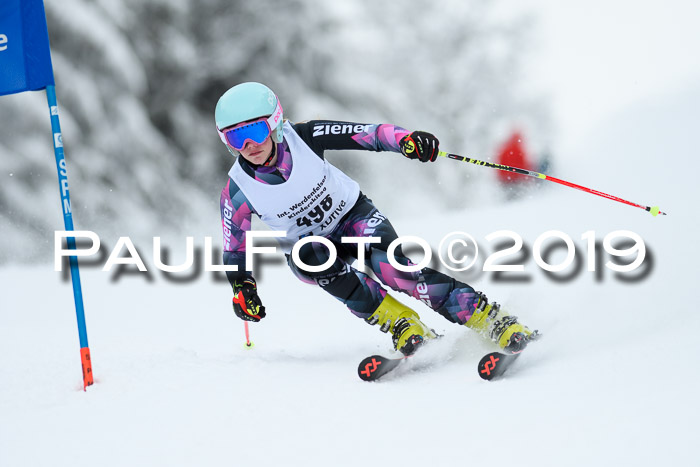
246 303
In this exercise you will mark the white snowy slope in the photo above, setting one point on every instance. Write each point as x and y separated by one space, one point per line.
614 381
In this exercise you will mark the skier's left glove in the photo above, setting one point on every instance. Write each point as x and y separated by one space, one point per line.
420 145
246 303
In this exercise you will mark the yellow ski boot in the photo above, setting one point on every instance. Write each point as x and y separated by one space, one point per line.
505 330
407 330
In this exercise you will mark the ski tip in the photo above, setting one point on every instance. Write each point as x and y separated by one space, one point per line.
494 364
369 368
374 367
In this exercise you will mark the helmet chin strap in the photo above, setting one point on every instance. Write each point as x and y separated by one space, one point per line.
273 153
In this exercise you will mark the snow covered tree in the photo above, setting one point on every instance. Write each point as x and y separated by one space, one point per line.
138 80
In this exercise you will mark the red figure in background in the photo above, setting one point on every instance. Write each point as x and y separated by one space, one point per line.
513 153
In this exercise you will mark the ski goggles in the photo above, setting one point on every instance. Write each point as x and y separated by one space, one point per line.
256 131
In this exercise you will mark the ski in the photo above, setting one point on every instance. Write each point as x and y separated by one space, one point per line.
494 364
374 367
491 366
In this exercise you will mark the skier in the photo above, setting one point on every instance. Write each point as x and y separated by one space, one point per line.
280 174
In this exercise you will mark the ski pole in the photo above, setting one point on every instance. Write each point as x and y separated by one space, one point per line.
248 343
654 210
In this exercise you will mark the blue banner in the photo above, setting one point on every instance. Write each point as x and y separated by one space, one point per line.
25 56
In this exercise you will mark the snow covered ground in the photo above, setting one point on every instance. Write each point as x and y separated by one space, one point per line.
614 381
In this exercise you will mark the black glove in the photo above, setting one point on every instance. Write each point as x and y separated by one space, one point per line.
246 303
420 145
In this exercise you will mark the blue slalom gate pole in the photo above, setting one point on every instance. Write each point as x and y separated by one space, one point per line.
68 224
25 65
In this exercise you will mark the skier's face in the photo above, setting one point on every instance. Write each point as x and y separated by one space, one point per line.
257 153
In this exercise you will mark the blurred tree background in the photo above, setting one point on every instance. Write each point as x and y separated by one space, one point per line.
138 80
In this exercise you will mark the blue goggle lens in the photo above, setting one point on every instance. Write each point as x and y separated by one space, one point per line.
256 132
